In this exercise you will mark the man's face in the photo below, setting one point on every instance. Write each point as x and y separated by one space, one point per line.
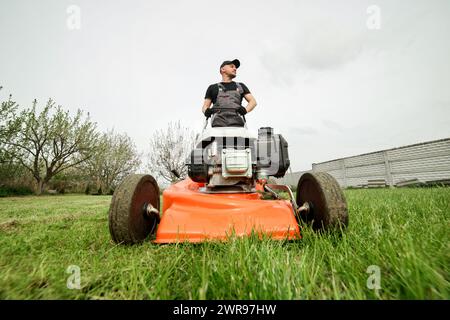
229 70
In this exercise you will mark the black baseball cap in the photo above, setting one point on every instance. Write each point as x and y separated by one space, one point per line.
236 62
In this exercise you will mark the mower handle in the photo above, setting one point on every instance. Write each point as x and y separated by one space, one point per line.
217 109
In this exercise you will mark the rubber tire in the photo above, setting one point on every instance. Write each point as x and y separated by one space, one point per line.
329 207
127 222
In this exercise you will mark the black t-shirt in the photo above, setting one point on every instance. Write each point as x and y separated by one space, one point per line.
213 90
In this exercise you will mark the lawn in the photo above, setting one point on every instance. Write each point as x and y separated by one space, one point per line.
400 234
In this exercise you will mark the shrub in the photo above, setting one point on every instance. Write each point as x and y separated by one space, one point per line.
15 191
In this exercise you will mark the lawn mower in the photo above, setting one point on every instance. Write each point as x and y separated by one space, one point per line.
227 193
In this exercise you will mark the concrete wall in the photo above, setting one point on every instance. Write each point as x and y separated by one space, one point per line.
423 163
291 178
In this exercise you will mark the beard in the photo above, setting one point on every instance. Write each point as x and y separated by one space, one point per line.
232 76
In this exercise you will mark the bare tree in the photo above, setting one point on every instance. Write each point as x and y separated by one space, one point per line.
51 141
115 157
169 150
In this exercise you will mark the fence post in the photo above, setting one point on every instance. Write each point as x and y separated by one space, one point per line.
387 166
344 173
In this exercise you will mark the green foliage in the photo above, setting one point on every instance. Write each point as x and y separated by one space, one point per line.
14 179
115 157
61 151
403 231
50 141
14 191
8 125
10 172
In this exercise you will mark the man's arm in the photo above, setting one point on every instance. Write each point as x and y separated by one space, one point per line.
206 104
251 102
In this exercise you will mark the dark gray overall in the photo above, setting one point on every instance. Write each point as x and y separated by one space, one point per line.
228 99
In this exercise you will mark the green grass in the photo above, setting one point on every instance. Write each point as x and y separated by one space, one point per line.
405 232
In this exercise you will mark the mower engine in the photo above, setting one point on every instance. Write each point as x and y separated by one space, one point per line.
230 160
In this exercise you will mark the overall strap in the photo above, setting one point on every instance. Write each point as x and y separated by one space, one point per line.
239 88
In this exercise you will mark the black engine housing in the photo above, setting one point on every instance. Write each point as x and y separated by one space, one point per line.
272 153
272 158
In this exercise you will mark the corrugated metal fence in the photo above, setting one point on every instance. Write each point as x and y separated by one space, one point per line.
414 164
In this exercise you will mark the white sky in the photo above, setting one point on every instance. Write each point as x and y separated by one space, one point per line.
329 84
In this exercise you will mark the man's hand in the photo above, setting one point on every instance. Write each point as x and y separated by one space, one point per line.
241 110
208 112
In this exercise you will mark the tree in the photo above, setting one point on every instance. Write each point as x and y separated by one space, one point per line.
115 157
51 141
10 170
169 150
8 125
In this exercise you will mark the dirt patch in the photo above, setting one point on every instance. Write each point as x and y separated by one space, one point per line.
10 225
14 224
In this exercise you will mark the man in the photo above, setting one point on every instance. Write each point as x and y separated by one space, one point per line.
228 94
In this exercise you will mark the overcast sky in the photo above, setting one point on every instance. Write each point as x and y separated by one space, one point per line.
330 84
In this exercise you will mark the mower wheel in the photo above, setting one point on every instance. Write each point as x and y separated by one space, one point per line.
129 220
325 199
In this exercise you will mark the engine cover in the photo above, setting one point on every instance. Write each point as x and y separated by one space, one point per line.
236 163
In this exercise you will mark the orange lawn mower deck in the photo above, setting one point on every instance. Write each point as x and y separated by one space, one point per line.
189 215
